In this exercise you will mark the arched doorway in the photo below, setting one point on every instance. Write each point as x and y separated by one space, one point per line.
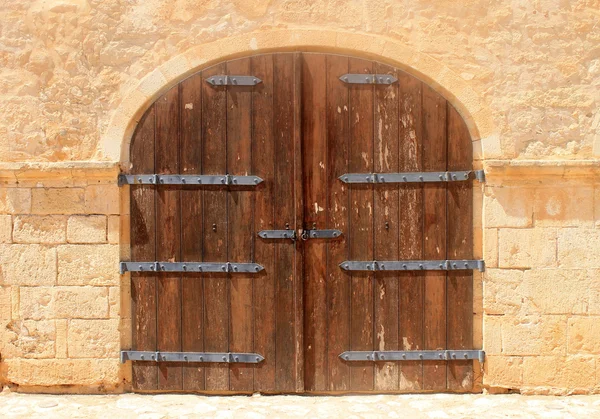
310 228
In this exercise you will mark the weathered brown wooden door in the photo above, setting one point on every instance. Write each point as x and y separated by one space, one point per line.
299 130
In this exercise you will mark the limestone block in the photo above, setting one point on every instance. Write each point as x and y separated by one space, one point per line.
53 372
503 371
594 306
86 229
15 200
49 229
492 334
490 247
102 199
556 291
526 248
63 302
579 248
114 301
61 338
23 264
508 207
5 303
584 335
5 228
501 291
57 200
88 264
564 207
534 335
28 339
571 372
113 229
94 338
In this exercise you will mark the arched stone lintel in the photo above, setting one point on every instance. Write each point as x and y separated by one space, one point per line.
116 140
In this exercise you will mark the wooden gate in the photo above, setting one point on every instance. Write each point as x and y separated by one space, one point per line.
270 253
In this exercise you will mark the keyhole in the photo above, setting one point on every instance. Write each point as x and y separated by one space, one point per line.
287 226
387 225
314 226
214 227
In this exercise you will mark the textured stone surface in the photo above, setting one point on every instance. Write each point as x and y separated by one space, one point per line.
28 339
40 229
22 264
64 302
57 200
526 248
102 199
576 372
258 407
15 200
86 229
5 228
579 248
584 333
564 206
534 335
504 371
508 207
93 338
46 372
88 265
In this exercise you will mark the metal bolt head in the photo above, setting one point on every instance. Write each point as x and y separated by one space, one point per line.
346 357
224 358
142 357
257 359
236 359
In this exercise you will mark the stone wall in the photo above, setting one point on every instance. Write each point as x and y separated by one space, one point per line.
76 74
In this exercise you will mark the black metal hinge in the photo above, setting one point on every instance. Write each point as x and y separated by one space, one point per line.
413 177
216 357
195 180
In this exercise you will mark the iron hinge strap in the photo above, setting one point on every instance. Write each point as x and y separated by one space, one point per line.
386 356
195 180
218 357
413 177
412 265
230 80
357 78
231 267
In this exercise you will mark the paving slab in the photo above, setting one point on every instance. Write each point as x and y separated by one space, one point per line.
434 406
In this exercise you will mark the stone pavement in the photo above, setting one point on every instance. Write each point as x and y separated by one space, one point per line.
129 406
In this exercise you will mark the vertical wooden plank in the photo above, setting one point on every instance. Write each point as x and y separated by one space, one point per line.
459 298
361 223
338 304
240 223
386 227
143 241
411 228
284 108
314 158
168 238
434 158
299 217
263 161
214 161
192 300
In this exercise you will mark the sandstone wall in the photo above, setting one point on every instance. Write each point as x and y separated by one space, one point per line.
75 75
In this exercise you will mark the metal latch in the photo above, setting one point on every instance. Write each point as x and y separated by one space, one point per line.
218 357
320 234
225 80
354 78
277 234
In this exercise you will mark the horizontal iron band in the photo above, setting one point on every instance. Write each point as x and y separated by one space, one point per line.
221 357
321 234
446 355
189 180
357 78
190 267
226 80
277 234
413 177
412 265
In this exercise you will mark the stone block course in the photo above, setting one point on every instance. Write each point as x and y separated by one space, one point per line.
87 229
508 207
573 372
63 302
88 264
57 200
15 200
102 199
48 229
534 335
562 206
527 248
579 248
28 339
5 303
503 371
23 264
584 335
93 338
5 229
